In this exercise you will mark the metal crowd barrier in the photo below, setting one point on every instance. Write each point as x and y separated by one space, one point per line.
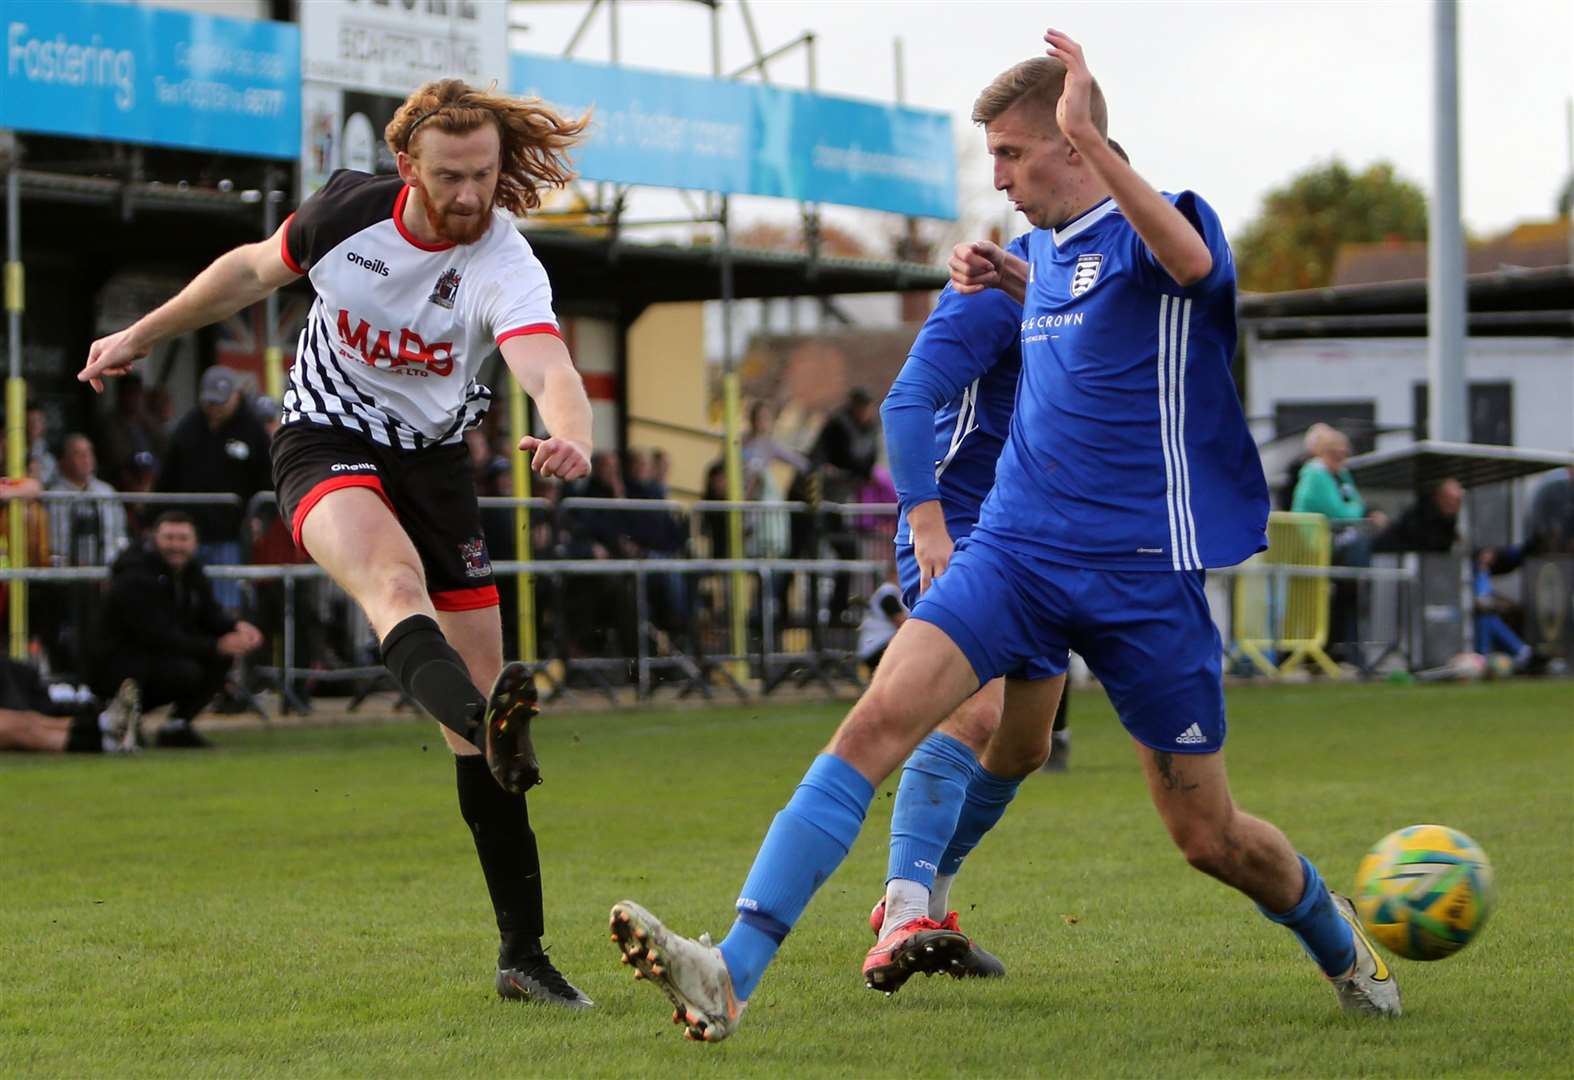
606 625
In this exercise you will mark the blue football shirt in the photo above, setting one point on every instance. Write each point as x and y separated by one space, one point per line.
1128 447
968 354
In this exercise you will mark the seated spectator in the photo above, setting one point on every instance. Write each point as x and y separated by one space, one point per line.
1493 634
64 719
162 627
1549 526
84 532
882 619
1431 523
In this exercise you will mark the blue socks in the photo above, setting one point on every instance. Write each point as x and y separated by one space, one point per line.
807 841
928 801
1324 935
988 796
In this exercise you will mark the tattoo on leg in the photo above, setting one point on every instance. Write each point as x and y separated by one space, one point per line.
1170 774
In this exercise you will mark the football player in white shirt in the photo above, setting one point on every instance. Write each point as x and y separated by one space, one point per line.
418 278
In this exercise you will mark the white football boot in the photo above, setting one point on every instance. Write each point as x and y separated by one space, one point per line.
691 973
1369 987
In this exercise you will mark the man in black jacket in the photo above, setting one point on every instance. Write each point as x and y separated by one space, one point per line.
162 627
1431 523
218 446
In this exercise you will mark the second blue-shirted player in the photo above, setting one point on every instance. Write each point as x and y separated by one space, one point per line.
1128 472
946 420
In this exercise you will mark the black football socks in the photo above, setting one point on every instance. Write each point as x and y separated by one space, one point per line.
506 847
435 676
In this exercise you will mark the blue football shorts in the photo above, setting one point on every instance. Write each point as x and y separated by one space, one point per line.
1040 667
1146 635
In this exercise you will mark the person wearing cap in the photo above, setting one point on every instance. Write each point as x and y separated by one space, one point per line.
218 446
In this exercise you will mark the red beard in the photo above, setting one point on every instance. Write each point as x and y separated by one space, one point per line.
453 228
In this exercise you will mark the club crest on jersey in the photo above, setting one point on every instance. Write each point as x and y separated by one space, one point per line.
1086 273
447 285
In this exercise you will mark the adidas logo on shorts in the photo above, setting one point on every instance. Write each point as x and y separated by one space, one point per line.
1191 736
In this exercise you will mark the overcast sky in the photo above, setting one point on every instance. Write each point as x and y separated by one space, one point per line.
1230 99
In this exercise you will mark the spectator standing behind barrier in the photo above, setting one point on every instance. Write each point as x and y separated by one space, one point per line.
762 448
1326 487
1284 495
42 465
847 447
140 476
162 627
218 447
128 434
844 454
1431 523
84 532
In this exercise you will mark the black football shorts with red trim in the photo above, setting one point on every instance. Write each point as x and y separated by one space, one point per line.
430 491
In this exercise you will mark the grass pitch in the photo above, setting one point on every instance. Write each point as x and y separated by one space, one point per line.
307 903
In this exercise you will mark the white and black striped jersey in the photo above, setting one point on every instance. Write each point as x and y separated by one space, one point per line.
396 338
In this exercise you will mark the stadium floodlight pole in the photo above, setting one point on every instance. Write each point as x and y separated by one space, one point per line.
732 443
15 403
1447 300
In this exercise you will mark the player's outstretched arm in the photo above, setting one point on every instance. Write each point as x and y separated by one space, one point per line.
542 365
235 280
1175 243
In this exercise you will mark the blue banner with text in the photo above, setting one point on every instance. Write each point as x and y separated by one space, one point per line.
665 130
151 75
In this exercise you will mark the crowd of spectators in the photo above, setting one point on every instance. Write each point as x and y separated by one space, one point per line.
163 621
221 445
1319 482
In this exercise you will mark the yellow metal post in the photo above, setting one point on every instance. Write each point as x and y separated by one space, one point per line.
526 583
16 444
273 372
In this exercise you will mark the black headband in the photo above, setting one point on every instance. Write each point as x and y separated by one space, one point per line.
417 122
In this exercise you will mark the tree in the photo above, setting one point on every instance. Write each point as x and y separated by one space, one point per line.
1293 243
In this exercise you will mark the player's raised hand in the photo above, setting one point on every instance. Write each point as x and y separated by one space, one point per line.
110 356
975 266
562 458
1074 111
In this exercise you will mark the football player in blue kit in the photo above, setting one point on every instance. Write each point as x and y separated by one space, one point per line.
1127 473
946 419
